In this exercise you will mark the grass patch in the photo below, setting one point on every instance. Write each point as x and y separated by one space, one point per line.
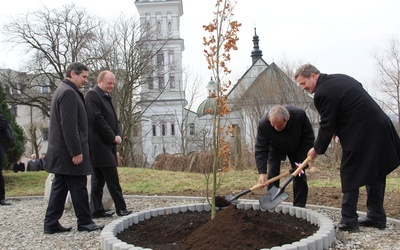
144 181
25 183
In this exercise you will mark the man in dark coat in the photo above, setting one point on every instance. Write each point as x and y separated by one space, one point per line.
370 143
284 131
42 161
68 152
4 145
19 166
33 164
105 134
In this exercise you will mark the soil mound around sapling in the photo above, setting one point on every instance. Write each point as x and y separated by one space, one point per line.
230 229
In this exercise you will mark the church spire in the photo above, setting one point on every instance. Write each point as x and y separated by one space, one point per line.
256 53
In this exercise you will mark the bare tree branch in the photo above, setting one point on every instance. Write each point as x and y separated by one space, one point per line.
388 67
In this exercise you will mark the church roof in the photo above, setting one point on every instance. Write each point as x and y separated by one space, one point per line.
207 104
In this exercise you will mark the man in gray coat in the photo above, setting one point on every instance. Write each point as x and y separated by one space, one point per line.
370 143
105 135
68 153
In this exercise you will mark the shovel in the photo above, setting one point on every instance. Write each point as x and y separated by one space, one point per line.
233 199
276 196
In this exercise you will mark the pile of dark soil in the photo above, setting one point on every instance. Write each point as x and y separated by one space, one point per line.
230 229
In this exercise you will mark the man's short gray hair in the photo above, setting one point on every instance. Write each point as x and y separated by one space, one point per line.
306 70
279 111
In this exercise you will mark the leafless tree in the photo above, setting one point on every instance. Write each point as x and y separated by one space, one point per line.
191 86
388 68
51 39
34 134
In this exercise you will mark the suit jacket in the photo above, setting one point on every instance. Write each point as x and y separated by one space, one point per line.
103 127
68 132
294 140
370 143
33 166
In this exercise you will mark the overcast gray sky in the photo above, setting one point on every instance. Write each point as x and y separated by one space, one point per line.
336 36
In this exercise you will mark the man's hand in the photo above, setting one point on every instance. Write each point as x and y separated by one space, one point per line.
118 139
77 159
298 165
262 178
312 154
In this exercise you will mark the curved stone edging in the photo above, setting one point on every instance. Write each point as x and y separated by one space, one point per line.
362 214
322 239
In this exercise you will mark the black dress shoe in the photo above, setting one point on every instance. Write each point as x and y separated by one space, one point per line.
366 222
58 229
102 214
123 212
4 203
344 227
89 228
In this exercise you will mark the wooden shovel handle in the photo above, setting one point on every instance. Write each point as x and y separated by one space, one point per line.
303 164
278 177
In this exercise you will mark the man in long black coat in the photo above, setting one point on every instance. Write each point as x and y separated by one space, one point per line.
370 143
284 131
68 153
4 145
105 134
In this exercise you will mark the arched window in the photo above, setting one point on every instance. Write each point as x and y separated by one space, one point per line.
159 27
172 129
169 27
163 130
148 27
191 129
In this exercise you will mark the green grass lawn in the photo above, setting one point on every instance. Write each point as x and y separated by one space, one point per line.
133 181
157 182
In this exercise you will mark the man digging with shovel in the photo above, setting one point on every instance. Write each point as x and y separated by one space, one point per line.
370 143
285 131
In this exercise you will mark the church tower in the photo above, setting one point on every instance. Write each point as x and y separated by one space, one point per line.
256 53
162 97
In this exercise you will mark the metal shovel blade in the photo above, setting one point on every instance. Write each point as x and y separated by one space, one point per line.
272 198
231 199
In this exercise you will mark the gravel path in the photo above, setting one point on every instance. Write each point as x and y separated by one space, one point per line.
22 227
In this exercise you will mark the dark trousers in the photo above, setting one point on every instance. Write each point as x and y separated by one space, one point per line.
79 195
100 177
300 186
375 198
